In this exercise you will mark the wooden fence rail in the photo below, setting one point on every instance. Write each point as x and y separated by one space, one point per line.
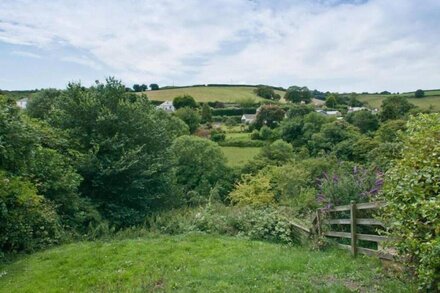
353 221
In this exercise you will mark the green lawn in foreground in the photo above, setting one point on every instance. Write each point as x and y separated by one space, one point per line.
208 94
193 263
238 156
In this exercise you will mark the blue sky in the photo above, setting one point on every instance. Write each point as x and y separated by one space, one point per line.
330 45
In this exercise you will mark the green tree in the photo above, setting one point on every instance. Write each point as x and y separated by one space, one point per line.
330 101
154 86
364 120
297 94
206 113
200 166
419 93
125 149
136 88
266 92
411 191
270 115
184 101
395 107
190 117
42 103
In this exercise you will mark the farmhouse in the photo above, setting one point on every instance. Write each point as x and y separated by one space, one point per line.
330 113
248 118
22 103
167 106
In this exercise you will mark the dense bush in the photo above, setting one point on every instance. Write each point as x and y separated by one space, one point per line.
190 117
412 192
242 143
233 111
253 191
184 101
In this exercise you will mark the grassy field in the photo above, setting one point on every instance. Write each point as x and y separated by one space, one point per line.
431 98
208 94
238 156
193 263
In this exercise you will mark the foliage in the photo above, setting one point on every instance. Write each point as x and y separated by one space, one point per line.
269 115
206 115
412 192
154 86
199 166
394 107
364 120
265 133
419 93
330 101
184 101
27 221
242 143
266 93
190 117
341 187
297 94
124 145
234 111
218 136
42 103
277 152
389 130
253 191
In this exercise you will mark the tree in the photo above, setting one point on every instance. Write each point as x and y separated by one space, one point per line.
364 120
154 86
270 115
206 113
419 93
330 101
184 101
199 164
266 92
395 107
42 103
125 150
144 87
190 117
411 191
136 88
296 94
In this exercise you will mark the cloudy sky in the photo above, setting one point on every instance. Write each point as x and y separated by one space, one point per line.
331 45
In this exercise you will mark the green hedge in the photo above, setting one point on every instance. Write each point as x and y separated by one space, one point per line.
233 111
242 143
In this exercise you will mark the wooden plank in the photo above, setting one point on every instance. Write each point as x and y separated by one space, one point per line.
353 228
370 205
344 246
338 234
369 222
339 208
305 229
339 221
369 237
377 253
318 220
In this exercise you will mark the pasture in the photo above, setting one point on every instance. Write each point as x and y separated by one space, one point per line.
432 98
208 94
238 156
193 263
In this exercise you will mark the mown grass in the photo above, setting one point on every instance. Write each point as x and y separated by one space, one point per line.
238 156
193 263
208 94
432 98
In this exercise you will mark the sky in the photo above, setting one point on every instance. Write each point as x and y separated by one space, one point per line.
330 45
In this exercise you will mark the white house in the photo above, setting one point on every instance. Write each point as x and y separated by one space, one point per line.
248 118
355 109
330 113
22 103
167 106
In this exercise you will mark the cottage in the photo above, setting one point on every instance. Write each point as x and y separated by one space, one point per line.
248 118
330 113
167 106
22 103
356 109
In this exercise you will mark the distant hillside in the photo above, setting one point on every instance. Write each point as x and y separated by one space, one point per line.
230 94
432 97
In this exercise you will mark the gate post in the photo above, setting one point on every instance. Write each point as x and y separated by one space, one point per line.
353 227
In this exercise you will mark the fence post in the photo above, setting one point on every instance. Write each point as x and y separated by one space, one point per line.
353 227
318 221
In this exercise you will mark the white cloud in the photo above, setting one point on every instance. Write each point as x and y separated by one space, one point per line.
26 54
330 45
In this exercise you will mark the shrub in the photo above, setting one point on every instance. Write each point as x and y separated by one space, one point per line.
217 137
265 133
253 190
413 201
27 221
419 93
255 134
242 143
184 101
190 117
233 111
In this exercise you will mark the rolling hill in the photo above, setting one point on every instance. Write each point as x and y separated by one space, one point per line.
432 98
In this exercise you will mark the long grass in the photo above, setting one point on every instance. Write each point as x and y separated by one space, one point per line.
238 156
193 263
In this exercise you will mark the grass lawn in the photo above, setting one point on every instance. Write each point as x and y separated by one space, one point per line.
208 94
193 263
237 156
431 98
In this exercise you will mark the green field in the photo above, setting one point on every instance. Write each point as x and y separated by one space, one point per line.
208 94
193 263
431 98
238 156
